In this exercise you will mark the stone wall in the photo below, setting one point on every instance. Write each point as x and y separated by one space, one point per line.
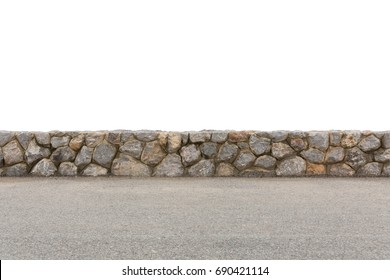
202 153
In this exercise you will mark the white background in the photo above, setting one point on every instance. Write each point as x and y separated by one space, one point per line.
192 65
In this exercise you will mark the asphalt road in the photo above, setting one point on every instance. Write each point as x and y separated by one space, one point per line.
186 218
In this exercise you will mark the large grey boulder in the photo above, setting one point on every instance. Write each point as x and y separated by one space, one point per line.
371 169
152 153
13 153
369 144
92 139
126 135
170 166
341 169
114 137
146 135
298 143
132 147
24 138
94 170
356 158
386 169
227 152
278 135
103 154
127 166
295 166
43 138
199 137
219 137
386 140
204 168
35 152
5 137
318 140
209 149
313 155
62 154
20 169
60 141
244 160
382 155
67 169
243 145
281 150
265 161
44 167
84 157
334 154
335 138
190 154
259 145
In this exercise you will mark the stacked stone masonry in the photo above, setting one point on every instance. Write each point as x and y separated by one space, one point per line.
195 154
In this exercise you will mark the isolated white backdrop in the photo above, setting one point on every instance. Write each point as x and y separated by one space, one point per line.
191 65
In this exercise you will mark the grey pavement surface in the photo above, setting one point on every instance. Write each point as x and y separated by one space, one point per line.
189 218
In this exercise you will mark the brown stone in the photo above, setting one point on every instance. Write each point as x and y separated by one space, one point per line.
77 142
239 136
92 139
163 140
315 169
153 153
174 142
350 139
13 153
298 144
226 170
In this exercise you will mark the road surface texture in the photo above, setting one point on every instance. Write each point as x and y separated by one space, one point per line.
189 218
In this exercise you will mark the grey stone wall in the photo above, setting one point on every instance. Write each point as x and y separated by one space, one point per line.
198 154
